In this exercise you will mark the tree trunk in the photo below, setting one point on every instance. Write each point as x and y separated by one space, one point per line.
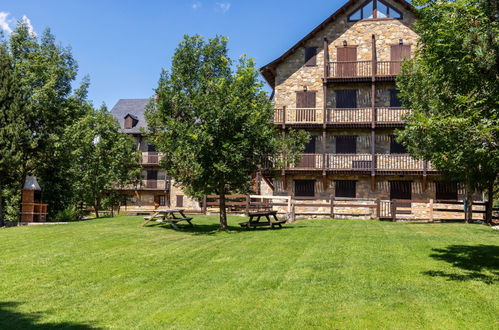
468 206
223 211
2 222
490 202
96 208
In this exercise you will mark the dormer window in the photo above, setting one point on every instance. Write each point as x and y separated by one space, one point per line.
131 121
374 9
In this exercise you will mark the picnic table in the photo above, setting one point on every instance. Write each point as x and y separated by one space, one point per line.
252 223
172 216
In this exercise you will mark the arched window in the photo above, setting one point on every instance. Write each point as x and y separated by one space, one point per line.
374 9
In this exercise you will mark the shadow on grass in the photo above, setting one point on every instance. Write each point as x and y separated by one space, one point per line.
11 319
480 262
212 229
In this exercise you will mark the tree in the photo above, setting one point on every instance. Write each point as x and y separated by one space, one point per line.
212 121
13 131
103 158
452 88
44 73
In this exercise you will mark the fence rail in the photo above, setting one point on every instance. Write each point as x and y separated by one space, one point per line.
384 115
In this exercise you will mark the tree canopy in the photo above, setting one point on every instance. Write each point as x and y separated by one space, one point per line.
452 88
211 119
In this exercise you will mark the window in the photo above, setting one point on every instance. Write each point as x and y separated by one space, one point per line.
310 146
151 147
346 98
400 190
346 144
304 188
374 9
305 100
160 200
310 56
345 188
394 100
152 175
446 191
395 147
130 121
180 200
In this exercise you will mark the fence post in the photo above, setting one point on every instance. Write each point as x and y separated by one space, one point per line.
393 206
332 207
378 208
205 207
431 210
247 205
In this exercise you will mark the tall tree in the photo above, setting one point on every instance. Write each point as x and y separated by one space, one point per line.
102 158
44 74
212 121
452 88
13 131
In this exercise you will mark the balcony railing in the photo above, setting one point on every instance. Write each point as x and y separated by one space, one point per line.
361 162
151 158
362 69
160 184
384 115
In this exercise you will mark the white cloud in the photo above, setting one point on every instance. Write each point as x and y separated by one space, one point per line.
5 22
196 5
27 21
224 6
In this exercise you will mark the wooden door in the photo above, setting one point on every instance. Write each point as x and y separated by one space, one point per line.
305 106
346 98
397 54
347 61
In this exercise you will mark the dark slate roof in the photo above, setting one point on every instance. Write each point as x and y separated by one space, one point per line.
134 108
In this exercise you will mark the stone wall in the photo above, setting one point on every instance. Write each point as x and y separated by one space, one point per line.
188 203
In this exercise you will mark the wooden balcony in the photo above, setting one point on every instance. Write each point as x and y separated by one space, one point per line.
160 184
385 116
151 158
397 163
363 70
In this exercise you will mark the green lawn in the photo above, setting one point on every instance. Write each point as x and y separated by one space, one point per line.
111 273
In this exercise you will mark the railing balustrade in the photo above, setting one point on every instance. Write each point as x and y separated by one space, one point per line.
388 68
400 162
349 115
304 116
151 158
391 115
309 161
356 69
351 162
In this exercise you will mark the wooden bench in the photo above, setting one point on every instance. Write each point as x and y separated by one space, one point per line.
258 215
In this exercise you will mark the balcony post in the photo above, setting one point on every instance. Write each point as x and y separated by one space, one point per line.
326 59
283 117
425 170
373 119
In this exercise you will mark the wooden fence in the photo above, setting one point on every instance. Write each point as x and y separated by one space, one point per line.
395 210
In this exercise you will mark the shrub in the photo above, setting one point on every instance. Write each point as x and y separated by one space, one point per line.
71 213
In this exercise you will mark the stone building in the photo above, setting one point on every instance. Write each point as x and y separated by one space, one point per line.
338 83
156 189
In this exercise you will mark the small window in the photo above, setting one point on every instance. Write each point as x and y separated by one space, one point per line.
401 190
345 188
152 175
346 144
180 200
395 147
304 188
394 99
310 56
346 98
446 191
383 10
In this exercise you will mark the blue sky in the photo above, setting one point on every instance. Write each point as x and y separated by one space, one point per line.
124 44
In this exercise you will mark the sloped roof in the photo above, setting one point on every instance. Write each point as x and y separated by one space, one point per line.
134 108
268 71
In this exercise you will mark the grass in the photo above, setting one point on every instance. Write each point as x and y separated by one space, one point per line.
111 273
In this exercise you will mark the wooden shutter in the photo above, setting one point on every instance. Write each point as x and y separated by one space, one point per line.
310 146
398 53
446 191
128 122
152 175
305 188
400 190
345 188
395 147
349 55
310 56
180 200
305 105
394 100
346 98
346 144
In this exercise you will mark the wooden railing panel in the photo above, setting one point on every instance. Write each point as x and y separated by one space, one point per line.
391 115
304 116
349 115
309 161
350 69
388 68
402 162
354 162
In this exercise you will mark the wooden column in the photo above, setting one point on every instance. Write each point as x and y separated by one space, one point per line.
373 108
324 114
326 58
425 170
